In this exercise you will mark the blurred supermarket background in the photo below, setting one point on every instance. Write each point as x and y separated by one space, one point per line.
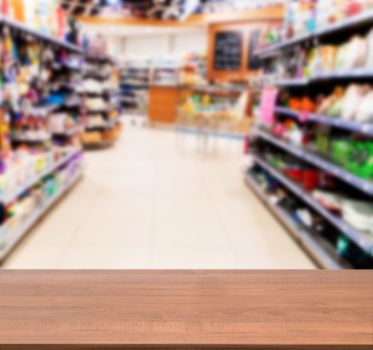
224 134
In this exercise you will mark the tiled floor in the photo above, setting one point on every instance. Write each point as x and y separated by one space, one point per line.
156 200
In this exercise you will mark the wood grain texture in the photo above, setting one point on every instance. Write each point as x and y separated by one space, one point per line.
186 309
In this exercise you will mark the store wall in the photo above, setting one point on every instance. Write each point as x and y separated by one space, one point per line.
148 45
187 42
165 44
116 45
150 42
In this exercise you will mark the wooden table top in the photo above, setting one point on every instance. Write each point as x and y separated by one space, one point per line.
186 309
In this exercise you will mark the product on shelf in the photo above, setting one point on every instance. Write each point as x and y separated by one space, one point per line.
38 81
135 80
35 200
38 75
353 103
356 156
269 36
309 225
91 86
139 73
96 121
135 75
359 214
96 104
316 137
101 103
165 71
89 138
25 167
61 122
350 57
304 18
43 16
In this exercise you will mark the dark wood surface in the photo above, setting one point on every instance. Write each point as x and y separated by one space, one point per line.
186 309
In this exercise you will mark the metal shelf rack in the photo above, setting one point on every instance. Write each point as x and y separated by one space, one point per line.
316 247
349 125
39 35
10 238
363 185
362 239
338 27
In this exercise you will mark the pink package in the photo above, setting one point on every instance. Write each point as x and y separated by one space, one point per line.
267 105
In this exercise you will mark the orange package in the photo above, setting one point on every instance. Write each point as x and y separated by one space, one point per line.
308 105
295 103
328 57
18 10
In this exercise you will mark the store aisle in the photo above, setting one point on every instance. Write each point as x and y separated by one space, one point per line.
155 201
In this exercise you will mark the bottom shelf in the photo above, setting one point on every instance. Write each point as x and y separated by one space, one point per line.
101 139
16 236
98 144
320 252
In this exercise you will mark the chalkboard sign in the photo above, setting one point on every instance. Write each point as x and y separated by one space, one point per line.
253 60
228 51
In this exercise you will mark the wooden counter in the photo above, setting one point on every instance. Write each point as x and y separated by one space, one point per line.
186 309
163 104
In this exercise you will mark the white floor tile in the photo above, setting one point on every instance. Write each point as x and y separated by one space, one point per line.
157 200
180 247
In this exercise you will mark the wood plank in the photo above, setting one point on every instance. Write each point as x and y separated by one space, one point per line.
186 309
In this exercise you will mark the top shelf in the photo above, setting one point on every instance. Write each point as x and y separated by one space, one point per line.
338 27
42 36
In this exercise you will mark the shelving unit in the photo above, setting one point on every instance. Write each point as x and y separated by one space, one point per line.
69 133
274 49
68 162
364 240
360 184
45 110
107 132
363 73
25 139
165 71
358 73
7 199
292 82
349 125
135 82
326 256
65 68
363 19
10 238
39 35
319 251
